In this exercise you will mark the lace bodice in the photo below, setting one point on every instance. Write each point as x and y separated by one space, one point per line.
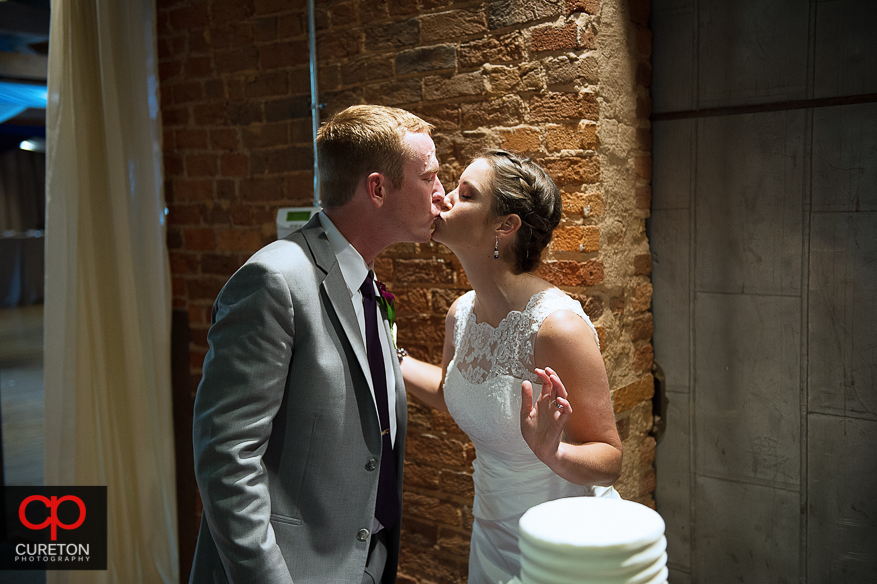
483 393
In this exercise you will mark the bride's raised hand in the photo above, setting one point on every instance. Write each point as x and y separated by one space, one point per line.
542 424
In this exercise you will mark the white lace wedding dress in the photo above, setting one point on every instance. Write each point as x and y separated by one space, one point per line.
483 393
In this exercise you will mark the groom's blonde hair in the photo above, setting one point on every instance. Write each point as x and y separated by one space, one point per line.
360 140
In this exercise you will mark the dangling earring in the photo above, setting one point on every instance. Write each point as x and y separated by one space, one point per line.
496 249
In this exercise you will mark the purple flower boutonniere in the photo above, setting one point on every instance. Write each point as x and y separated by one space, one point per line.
386 300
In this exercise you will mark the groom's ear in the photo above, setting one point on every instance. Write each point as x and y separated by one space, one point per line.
509 225
375 185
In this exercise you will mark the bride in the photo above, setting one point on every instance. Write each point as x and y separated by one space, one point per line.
521 371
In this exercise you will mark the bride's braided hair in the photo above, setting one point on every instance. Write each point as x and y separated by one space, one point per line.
521 187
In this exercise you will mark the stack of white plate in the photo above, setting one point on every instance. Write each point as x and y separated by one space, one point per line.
590 540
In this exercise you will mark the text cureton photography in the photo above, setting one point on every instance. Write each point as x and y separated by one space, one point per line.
54 528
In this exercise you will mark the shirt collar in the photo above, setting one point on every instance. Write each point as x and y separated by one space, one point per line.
353 266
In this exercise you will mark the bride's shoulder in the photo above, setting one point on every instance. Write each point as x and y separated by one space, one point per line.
462 304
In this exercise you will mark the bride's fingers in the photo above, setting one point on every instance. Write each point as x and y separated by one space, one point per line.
526 397
567 408
547 385
556 383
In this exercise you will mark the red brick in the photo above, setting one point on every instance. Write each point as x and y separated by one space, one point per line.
192 190
236 60
639 11
190 138
643 165
204 288
632 394
431 508
184 214
592 272
642 328
216 264
643 197
232 10
577 238
644 74
334 47
199 239
189 17
438 87
211 114
183 263
262 189
616 305
553 107
174 116
421 475
642 264
561 273
502 49
644 41
453 24
553 38
505 111
643 359
272 6
224 139
198 67
424 330
266 135
168 70
173 165
411 271
587 6
573 170
432 449
186 92
234 164
200 165
283 54
523 139
249 240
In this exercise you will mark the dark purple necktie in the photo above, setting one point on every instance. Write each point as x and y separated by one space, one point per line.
387 505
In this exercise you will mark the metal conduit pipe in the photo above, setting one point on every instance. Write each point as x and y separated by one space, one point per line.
316 106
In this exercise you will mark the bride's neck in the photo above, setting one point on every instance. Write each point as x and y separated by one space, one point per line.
499 291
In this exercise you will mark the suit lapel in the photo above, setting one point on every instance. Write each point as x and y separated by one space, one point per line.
336 291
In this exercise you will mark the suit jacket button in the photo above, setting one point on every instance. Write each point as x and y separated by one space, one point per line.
363 535
371 464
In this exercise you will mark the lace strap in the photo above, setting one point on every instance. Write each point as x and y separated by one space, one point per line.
464 309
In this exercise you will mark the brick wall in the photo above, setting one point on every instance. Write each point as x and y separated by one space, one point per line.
563 81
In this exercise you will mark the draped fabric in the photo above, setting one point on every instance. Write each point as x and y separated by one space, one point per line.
107 310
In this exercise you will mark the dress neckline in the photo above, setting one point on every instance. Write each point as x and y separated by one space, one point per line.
530 303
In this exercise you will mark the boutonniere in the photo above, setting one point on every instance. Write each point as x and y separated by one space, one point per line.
386 299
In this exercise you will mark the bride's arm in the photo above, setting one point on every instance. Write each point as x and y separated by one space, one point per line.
579 443
425 381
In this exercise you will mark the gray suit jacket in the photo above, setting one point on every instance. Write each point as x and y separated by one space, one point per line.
286 434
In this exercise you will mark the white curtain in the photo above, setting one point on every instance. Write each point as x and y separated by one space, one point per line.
107 311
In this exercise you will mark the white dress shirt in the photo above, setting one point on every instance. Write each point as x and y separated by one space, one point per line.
354 271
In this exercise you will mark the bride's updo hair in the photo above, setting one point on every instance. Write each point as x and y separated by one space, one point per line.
521 187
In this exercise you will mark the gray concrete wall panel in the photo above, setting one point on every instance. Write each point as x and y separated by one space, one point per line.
842 368
845 60
748 391
749 203
674 28
752 51
670 241
746 533
673 494
842 509
845 157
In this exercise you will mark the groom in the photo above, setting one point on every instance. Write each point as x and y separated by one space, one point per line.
300 417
